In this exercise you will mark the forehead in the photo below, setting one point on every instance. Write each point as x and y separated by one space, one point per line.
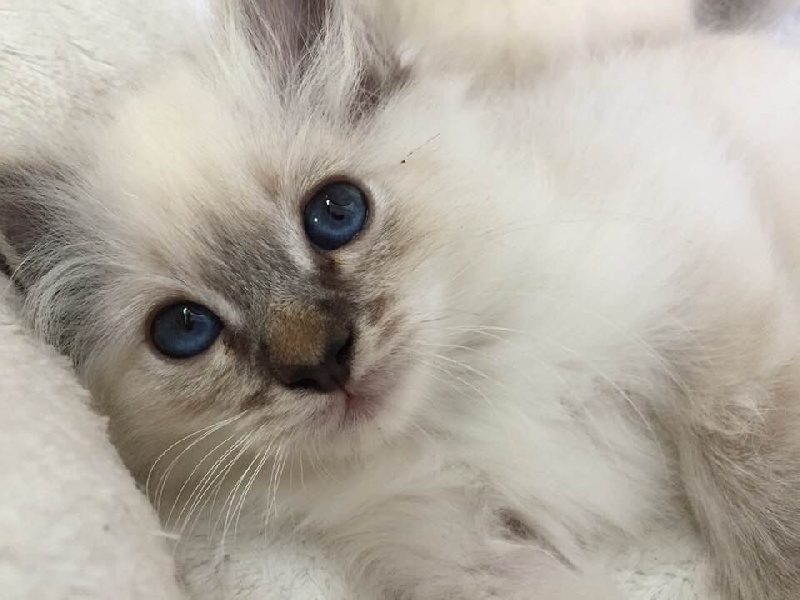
205 187
182 161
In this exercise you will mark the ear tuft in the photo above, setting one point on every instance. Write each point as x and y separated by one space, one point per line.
285 28
335 54
27 219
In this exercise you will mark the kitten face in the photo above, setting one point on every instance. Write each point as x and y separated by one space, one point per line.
220 223
196 195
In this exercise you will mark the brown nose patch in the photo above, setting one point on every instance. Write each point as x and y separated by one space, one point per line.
297 335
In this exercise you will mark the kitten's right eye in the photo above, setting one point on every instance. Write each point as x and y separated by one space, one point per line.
184 330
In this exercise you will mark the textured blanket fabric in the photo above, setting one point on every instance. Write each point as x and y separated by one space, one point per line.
58 57
72 524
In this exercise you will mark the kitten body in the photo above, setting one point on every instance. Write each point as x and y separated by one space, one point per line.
508 38
575 305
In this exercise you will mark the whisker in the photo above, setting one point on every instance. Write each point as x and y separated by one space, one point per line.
232 491
205 433
214 475
190 477
246 491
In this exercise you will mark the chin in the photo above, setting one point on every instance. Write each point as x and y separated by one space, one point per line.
377 411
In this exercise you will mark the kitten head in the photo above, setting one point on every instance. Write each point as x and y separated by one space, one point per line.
266 239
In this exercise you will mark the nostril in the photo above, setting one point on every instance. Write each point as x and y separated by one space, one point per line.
312 379
305 383
345 352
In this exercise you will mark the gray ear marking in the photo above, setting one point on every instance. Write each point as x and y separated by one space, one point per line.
287 27
5 265
18 221
303 40
26 216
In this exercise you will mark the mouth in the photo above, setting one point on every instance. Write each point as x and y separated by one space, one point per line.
361 402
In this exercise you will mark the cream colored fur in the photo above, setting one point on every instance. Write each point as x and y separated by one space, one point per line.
592 294
505 38
614 346
508 36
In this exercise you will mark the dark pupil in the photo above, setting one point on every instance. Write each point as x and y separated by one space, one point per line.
339 208
187 318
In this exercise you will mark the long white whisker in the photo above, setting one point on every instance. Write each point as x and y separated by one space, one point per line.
190 477
205 433
214 475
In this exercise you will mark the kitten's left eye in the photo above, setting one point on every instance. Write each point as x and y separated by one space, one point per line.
184 330
335 215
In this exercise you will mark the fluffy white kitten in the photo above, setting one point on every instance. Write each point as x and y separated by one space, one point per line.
461 336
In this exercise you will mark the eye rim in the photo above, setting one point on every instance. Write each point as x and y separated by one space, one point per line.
160 309
332 180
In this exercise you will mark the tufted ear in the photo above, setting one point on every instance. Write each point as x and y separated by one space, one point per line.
27 218
286 27
334 50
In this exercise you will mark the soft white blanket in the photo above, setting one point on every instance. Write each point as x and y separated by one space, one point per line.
72 524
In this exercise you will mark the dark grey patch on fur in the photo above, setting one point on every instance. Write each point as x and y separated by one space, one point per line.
5 267
729 14
245 263
26 219
244 345
291 36
328 271
254 400
286 29
514 527
381 77
34 223
390 329
376 308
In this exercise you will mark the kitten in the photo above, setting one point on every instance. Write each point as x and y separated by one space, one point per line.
463 336
510 37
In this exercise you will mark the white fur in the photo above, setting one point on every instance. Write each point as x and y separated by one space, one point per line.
588 255
505 35
589 273
504 38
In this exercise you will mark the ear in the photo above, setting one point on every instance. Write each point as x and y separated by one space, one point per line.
337 51
286 28
27 218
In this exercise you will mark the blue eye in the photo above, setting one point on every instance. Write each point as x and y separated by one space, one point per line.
184 330
335 215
